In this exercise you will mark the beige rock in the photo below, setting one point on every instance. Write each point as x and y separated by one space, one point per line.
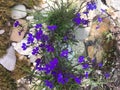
15 36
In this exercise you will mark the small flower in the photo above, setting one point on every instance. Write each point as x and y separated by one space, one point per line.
86 13
35 51
99 19
77 20
65 38
51 65
49 84
61 79
85 66
77 15
30 38
84 22
38 26
100 64
44 38
24 46
81 59
107 75
86 75
91 6
49 48
52 27
39 34
77 80
64 53
16 24
38 61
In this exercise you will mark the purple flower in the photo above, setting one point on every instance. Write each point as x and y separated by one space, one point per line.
84 22
42 46
39 34
91 6
16 24
38 61
100 64
64 53
81 59
51 65
49 84
38 26
54 62
44 38
52 27
107 75
35 51
30 38
77 20
99 19
85 66
86 13
78 15
49 48
24 46
86 75
77 80
61 79
65 38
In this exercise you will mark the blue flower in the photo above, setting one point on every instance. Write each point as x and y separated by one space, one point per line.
52 27
84 22
77 15
107 75
86 13
16 24
65 38
99 19
64 53
85 66
91 6
24 46
77 20
49 48
81 59
77 80
38 61
39 34
100 64
61 79
86 75
51 65
38 26
49 84
44 38
30 38
35 51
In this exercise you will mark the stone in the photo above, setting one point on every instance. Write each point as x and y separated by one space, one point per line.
9 60
18 11
2 31
15 36
19 49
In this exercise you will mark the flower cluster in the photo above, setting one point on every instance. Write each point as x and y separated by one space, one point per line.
54 67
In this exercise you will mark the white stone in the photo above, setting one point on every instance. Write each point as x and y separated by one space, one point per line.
19 49
82 33
18 11
2 31
9 60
